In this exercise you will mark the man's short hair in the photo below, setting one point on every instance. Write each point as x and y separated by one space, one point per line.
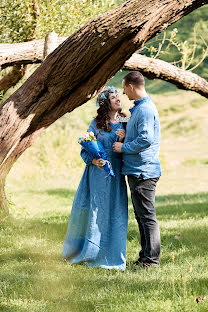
135 78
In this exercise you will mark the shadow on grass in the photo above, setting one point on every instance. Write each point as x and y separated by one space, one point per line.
173 207
187 234
133 233
182 206
60 192
32 249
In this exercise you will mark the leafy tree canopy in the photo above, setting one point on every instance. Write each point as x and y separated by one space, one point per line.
63 16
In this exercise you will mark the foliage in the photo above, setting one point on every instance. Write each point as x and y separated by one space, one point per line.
17 23
62 16
184 43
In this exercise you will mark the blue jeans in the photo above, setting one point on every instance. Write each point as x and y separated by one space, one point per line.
143 199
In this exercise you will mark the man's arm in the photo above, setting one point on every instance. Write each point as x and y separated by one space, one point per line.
145 128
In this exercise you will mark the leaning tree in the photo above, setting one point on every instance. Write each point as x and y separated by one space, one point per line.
78 69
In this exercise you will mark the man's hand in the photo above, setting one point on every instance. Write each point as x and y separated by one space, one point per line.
117 147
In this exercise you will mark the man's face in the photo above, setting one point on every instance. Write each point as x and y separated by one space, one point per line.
128 90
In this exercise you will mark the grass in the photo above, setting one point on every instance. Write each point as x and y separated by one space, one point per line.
33 277
41 187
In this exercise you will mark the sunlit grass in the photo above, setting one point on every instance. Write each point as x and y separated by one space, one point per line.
41 187
33 277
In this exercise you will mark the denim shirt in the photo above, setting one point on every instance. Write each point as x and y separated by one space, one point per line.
142 142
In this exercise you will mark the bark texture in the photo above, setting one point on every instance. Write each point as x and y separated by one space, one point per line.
79 67
24 52
3 200
153 68
50 44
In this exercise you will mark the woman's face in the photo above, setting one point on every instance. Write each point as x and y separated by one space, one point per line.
115 102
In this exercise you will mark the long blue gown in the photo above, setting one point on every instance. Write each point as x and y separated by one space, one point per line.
97 228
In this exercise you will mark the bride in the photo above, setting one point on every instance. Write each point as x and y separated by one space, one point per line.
97 228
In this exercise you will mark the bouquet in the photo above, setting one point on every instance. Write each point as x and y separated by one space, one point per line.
96 150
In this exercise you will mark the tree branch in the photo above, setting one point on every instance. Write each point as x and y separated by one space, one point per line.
153 68
24 52
13 77
32 52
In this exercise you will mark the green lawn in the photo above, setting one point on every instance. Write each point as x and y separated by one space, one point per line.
41 188
33 277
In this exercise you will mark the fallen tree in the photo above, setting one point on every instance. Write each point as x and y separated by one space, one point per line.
78 69
32 52
19 55
24 52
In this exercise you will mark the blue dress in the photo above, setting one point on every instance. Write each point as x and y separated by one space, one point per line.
97 228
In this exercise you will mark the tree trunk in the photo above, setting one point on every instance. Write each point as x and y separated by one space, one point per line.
79 67
153 68
50 44
3 201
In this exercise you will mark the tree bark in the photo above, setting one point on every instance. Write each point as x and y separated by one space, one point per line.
78 69
24 52
153 68
3 200
35 10
50 44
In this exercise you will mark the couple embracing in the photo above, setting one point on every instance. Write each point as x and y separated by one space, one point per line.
97 228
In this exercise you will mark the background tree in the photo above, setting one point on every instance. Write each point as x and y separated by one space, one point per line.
63 17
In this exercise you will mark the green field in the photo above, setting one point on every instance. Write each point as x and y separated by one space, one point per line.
41 187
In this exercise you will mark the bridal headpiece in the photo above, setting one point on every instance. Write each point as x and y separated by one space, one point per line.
104 95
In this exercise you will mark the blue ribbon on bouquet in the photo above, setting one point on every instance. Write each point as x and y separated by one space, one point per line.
96 150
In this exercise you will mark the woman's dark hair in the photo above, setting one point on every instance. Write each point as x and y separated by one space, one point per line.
103 118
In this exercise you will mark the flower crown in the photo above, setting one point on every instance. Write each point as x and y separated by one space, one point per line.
104 95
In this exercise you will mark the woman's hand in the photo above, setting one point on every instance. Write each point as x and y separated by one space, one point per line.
121 133
98 162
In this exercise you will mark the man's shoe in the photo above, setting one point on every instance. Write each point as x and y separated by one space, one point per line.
138 262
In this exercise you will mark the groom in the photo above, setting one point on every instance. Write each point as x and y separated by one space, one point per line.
141 164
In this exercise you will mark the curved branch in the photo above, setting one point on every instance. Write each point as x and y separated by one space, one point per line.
32 52
154 68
